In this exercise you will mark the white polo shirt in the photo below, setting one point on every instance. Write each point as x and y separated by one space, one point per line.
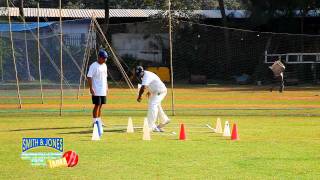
153 82
99 73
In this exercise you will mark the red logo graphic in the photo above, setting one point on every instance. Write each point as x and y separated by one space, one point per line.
71 157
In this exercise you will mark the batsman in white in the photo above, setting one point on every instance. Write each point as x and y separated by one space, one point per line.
97 80
158 92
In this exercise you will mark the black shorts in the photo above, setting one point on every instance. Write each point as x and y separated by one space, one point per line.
98 100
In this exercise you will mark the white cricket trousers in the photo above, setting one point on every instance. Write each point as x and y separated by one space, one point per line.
155 110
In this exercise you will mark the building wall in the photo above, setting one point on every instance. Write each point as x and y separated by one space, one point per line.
74 34
72 28
140 46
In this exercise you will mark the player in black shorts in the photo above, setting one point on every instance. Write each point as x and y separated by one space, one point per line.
97 80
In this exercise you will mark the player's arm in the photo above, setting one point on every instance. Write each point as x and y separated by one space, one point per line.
107 81
140 93
89 79
90 85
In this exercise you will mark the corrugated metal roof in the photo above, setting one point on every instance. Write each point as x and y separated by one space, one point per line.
99 13
78 13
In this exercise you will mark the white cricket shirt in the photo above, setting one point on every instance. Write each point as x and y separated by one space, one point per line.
153 82
98 73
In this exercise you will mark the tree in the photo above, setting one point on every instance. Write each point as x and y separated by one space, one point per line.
263 12
225 33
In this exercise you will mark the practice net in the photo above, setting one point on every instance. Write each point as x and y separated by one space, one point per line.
216 70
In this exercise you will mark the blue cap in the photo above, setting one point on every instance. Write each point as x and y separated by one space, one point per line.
103 54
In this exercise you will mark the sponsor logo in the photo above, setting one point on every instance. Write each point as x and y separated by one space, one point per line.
53 149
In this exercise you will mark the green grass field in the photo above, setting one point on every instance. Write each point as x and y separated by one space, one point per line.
279 136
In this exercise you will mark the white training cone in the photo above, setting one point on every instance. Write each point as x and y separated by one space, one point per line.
146 131
95 133
226 131
218 126
130 126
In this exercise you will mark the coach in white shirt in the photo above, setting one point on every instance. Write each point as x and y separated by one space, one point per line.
97 80
158 92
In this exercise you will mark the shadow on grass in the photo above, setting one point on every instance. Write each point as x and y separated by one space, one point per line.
39 129
90 131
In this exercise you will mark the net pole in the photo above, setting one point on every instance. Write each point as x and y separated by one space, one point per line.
86 53
26 50
82 70
26 46
61 66
14 57
86 66
171 65
1 58
39 58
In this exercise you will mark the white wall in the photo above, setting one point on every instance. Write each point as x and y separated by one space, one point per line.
73 32
75 28
140 46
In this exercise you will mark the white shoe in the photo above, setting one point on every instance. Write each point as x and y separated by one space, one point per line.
156 129
102 123
160 129
167 122
160 126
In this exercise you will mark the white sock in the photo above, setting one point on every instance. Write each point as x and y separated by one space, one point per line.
100 123
99 119
94 120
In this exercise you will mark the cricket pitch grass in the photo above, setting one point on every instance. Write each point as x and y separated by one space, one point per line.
279 135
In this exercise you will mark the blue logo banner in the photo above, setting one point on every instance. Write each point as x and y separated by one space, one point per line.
55 143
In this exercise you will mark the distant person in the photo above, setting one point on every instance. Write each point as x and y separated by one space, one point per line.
97 80
157 92
277 69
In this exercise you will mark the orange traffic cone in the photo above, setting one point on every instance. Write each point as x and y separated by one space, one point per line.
182 133
234 135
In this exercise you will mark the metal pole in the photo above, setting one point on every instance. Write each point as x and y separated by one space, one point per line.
26 50
21 13
14 57
86 55
86 67
39 56
171 66
61 67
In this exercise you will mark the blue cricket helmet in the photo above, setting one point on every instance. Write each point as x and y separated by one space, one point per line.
102 53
